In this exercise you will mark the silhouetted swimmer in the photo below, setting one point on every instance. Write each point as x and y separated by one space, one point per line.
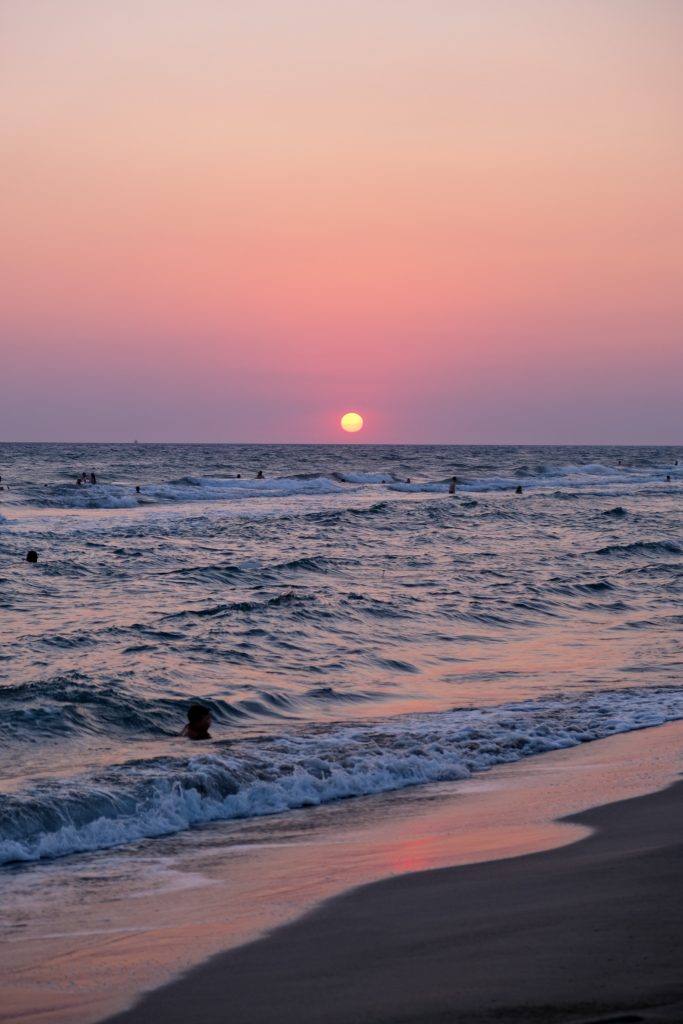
259 475
32 556
668 477
198 722
452 485
407 479
239 476
93 478
79 482
518 489
137 488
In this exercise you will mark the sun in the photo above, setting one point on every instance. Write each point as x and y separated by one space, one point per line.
351 422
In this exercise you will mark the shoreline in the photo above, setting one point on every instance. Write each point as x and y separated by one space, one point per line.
229 885
578 933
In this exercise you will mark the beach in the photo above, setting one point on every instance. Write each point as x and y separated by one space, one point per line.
400 681
341 519
80 962
587 932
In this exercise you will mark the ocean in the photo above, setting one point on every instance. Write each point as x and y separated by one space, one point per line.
355 631
353 634
353 628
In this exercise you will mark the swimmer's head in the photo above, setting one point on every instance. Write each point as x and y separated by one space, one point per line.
196 714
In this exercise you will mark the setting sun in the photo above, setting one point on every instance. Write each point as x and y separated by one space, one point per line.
351 422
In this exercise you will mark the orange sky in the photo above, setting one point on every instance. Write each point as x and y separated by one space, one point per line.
236 220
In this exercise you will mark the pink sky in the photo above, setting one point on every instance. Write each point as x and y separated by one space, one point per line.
235 221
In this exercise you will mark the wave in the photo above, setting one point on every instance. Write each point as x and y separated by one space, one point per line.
88 496
366 478
290 597
598 478
253 777
642 547
185 489
73 705
226 488
595 478
328 695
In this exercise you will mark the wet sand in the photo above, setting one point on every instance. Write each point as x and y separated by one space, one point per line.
586 932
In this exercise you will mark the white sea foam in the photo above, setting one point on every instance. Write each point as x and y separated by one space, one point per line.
368 478
250 778
189 489
595 478
418 488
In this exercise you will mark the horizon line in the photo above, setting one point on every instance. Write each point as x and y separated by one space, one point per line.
370 444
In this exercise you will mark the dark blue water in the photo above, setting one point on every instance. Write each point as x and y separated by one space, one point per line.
351 632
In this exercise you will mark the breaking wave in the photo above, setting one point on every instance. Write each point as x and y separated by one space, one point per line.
271 775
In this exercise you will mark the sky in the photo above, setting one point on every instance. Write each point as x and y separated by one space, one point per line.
237 221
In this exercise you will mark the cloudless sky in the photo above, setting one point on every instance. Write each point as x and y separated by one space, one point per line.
234 221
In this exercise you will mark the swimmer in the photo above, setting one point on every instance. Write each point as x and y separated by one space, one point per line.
452 485
93 478
518 489
259 475
137 488
32 556
198 722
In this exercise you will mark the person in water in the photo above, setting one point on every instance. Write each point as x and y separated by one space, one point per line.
518 489
259 475
198 722
93 478
452 485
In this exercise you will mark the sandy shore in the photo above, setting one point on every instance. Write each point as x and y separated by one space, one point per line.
84 937
586 932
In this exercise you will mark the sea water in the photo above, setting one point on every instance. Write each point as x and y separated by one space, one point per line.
353 627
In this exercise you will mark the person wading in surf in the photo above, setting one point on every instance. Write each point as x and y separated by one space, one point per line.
198 722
